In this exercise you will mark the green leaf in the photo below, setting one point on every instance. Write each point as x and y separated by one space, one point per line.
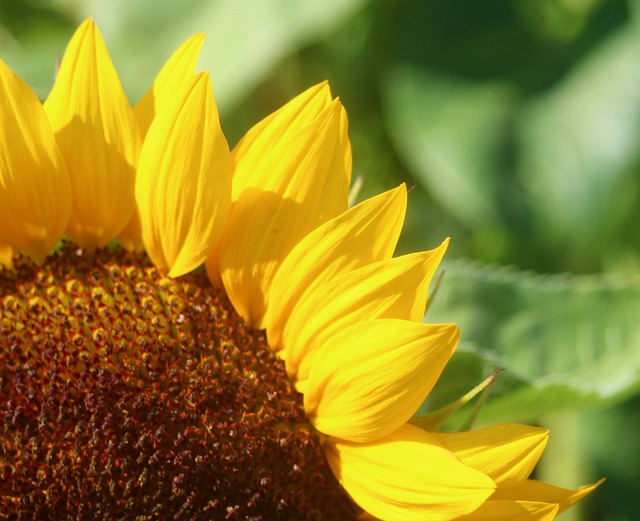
450 132
579 147
565 341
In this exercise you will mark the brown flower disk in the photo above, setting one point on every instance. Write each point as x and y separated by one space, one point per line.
125 394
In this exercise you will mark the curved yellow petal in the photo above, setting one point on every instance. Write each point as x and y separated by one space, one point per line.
178 69
407 476
310 173
183 188
363 234
513 511
98 137
35 192
532 490
370 378
393 288
276 129
259 142
506 453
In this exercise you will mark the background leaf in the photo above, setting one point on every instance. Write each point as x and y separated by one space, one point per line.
579 149
450 133
565 341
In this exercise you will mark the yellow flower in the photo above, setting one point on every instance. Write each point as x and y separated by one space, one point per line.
134 389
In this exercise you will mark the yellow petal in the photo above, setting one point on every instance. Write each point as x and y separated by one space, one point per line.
35 193
177 70
131 236
98 137
505 453
532 490
6 256
370 378
364 234
212 265
183 189
309 184
276 129
394 288
513 511
407 476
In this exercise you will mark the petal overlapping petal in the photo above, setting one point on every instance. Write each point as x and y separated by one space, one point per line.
98 136
35 191
407 475
183 189
277 129
501 511
362 235
533 490
370 378
506 453
306 178
393 288
178 69
513 511
175 72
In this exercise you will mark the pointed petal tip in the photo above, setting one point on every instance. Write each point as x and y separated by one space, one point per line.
366 233
179 68
183 185
533 490
292 173
98 137
321 87
507 453
87 21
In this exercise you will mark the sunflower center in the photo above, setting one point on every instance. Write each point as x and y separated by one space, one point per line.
129 395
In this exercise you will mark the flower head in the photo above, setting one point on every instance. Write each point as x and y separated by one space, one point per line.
278 385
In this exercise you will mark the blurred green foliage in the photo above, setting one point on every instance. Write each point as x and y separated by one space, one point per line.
517 125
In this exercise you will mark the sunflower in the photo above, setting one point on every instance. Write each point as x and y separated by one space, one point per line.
280 382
